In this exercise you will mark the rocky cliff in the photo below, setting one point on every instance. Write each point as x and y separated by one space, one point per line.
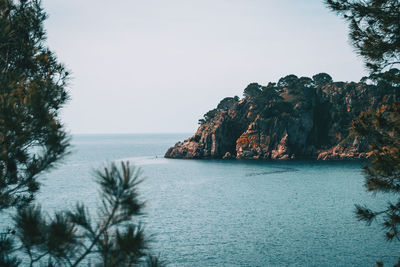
294 118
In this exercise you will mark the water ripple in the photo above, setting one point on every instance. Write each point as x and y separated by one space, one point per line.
281 170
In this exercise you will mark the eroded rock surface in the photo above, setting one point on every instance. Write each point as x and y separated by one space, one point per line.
295 118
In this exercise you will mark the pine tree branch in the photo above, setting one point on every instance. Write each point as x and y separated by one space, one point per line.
39 257
97 237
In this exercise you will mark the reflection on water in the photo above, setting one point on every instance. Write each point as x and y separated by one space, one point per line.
280 170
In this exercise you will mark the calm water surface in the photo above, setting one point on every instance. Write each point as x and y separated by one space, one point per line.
232 213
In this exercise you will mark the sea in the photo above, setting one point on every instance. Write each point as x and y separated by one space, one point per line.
231 212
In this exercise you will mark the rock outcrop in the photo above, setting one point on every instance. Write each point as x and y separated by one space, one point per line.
295 118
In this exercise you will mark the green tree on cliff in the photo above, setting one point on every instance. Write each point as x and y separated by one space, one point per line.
227 103
375 33
252 90
32 140
322 79
288 81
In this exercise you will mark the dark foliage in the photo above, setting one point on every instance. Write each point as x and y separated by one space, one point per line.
209 116
375 34
227 103
71 238
252 90
275 99
374 30
32 90
382 127
7 248
287 81
32 140
321 79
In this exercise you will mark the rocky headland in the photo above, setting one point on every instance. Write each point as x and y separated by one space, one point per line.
294 118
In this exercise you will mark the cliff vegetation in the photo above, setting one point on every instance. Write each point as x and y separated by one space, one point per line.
297 117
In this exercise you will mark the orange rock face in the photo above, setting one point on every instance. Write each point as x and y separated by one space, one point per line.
313 122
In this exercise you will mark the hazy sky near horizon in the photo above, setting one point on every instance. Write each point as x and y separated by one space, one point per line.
157 66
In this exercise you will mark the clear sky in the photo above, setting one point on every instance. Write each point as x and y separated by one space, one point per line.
156 66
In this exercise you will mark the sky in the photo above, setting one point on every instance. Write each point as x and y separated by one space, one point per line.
157 66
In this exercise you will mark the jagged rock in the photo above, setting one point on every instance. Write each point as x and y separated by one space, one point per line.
287 123
282 151
228 155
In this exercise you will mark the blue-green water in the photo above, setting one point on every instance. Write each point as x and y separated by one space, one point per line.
233 213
